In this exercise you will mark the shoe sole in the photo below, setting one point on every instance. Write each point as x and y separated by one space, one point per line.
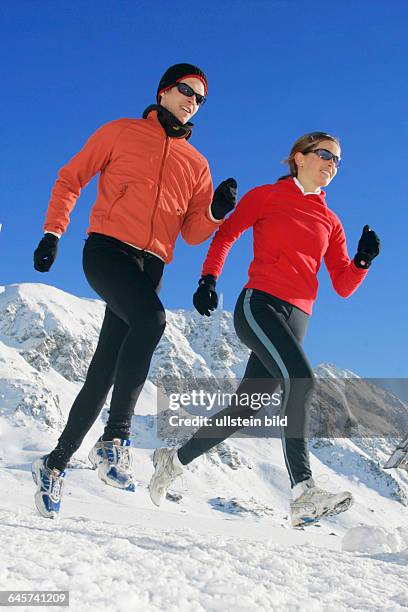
94 465
158 502
155 456
52 515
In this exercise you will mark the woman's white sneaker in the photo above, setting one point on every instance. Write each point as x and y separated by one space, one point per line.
311 503
167 467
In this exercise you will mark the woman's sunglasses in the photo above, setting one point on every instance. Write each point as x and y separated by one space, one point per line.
189 92
326 155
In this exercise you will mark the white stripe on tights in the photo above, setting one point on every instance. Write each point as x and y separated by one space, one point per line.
260 334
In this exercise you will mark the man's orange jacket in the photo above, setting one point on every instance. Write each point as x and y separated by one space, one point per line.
150 188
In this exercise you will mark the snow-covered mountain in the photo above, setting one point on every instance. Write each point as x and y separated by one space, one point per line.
47 338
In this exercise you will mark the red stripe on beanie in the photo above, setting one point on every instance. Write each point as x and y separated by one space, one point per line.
194 76
188 76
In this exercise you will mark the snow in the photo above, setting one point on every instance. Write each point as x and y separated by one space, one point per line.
110 566
224 542
374 540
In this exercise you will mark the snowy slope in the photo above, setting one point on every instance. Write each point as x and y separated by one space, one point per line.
224 542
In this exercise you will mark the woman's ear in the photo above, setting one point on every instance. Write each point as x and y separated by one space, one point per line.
298 157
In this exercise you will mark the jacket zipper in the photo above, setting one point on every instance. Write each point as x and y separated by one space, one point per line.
166 147
122 192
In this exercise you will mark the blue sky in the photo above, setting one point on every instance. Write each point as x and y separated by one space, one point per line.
276 70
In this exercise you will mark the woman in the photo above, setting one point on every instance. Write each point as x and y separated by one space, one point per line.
293 230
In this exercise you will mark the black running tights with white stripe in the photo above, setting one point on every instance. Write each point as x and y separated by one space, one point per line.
273 330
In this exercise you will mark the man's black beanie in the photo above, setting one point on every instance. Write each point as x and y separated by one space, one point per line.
177 73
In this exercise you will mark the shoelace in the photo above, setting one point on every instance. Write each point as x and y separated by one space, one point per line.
123 457
56 483
320 492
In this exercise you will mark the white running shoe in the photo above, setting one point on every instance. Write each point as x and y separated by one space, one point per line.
310 503
167 467
113 460
50 485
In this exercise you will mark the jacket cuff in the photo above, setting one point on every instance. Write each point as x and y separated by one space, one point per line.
212 218
357 270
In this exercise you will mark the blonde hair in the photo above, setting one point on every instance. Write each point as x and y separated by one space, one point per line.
305 144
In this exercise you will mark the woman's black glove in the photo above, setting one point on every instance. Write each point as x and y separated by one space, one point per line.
205 298
368 248
45 253
224 199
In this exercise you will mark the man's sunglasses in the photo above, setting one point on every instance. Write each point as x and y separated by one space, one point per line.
189 92
326 155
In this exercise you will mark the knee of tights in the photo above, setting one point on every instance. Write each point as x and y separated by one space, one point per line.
151 323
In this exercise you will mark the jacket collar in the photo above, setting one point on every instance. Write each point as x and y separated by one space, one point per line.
295 185
289 183
302 189
171 125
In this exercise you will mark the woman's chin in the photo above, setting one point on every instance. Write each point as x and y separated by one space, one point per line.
324 182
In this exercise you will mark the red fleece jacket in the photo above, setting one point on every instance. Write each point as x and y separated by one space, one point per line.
151 187
292 232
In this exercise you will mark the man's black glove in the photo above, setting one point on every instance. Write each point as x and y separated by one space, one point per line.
368 248
45 253
225 198
205 298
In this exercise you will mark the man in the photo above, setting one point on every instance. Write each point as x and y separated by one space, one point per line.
153 185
